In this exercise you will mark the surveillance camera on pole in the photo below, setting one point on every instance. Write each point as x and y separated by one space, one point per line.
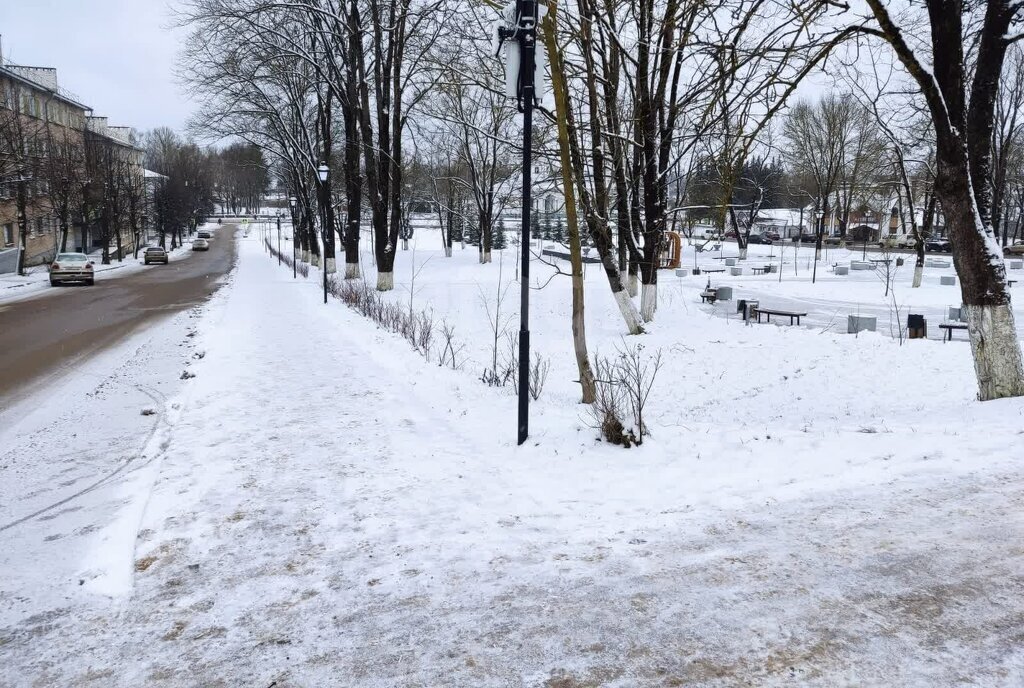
516 31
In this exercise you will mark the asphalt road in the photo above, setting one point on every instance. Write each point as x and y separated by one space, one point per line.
41 336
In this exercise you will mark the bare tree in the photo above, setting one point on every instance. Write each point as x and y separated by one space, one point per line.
961 96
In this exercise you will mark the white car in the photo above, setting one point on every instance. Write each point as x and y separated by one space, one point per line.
71 267
200 245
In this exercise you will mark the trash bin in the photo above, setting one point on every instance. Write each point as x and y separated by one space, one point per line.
899 262
917 327
746 307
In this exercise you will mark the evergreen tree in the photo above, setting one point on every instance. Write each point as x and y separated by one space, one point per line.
498 241
547 229
535 231
472 232
558 233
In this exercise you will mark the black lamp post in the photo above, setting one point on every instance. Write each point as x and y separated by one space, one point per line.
278 238
323 172
817 245
295 242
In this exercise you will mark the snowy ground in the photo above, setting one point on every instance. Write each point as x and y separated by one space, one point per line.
319 505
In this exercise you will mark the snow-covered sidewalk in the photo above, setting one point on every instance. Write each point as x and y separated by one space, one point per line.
324 507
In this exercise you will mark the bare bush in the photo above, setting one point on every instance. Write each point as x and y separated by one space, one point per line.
624 385
450 351
538 375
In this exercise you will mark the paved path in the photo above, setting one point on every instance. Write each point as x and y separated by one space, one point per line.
39 337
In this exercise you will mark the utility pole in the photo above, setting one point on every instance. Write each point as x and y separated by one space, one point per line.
279 239
520 77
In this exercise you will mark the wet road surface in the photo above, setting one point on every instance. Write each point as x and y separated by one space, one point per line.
41 336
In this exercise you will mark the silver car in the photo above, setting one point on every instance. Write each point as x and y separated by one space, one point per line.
200 245
71 267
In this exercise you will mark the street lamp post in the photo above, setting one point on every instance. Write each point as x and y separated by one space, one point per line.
323 172
295 257
817 246
278 238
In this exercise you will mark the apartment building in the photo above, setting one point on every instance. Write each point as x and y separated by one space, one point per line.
36 117
56 162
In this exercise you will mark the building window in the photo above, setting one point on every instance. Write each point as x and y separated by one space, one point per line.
9 234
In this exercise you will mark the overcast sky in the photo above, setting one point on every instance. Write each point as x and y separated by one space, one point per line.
116 56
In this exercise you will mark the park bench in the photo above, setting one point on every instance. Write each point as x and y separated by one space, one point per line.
709 296
712 269
947 336
769 312
761 270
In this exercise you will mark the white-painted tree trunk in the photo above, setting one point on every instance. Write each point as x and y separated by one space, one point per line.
628 310
314 260
648 301
351 271
447 251
817 254
997 355
485 257
743 253
632 284
918 276
385 281
332 266
305 256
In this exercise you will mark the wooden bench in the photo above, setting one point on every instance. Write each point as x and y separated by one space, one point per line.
761 271
709 296
712 269
947 336
769 312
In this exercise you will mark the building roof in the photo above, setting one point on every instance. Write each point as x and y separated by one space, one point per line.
41 79
150 174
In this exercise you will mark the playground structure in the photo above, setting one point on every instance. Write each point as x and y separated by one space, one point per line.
671 251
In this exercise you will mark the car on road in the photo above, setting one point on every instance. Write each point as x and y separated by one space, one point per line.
204 234
772 234
1017 249
71 267
758 239
897 241
938 245
731 234
200 244
155 254
805 239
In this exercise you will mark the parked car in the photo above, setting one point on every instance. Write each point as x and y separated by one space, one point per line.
758 239
204 234
155 254
806 239
771 234
897 241
938 245
71 267
731 234
200 244
833 240
1016 250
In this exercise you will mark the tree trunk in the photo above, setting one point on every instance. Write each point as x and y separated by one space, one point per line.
976 254
588 386
385 281
22 203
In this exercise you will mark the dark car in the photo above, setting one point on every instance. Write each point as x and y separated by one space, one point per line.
731 234
155 254
938 245
772 234
758 239
806 239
